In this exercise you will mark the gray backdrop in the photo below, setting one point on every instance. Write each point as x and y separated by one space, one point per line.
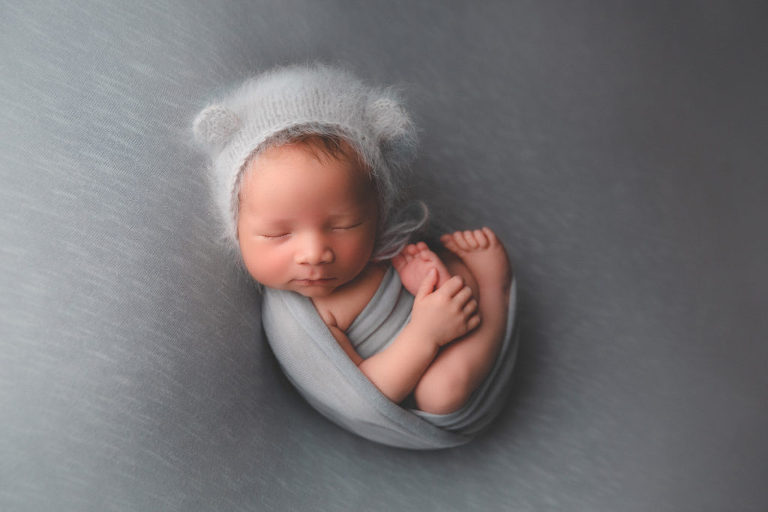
619 148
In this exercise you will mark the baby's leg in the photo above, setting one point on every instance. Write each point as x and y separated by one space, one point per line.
461 366
413 263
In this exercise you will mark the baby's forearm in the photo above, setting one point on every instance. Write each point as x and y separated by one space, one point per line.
396 370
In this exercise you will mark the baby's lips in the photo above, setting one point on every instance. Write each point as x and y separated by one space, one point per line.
315 279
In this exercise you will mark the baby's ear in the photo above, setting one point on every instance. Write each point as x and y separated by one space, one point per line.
393 128
214 126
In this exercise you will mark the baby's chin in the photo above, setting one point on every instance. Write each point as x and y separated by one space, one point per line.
314 290
310 290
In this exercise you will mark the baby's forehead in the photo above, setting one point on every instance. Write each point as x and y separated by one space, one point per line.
301 171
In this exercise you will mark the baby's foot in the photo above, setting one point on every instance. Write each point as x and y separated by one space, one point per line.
413 263
483 254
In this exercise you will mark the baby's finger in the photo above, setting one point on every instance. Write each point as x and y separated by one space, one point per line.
451 286
463 295
473 322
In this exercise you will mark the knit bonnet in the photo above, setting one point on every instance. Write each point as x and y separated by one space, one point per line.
304 99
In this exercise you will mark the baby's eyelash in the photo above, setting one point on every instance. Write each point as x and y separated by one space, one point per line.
348 227
271 237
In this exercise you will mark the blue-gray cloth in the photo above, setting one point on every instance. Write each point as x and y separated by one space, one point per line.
328 379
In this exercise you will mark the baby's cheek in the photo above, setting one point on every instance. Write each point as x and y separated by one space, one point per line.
262 263
358 252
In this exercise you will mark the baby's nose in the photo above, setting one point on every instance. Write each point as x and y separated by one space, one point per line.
314 250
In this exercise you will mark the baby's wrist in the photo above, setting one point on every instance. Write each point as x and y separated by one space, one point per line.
424 335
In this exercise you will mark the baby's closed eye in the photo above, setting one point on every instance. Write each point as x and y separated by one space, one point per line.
274 236
344 227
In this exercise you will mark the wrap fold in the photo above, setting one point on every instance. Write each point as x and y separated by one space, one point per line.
325 376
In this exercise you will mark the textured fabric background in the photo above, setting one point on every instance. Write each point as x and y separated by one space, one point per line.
619 148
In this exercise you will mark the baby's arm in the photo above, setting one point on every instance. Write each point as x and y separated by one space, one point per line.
438 317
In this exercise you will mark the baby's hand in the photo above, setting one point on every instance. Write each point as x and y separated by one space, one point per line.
444 314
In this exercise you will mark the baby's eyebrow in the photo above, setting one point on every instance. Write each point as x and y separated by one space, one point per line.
345 215
273 222
357 215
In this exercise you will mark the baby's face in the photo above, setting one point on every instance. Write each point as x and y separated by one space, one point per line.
307 221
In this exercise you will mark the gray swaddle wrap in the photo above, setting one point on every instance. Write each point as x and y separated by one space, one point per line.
323 373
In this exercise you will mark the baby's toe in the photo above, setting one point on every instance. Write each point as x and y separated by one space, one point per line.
469 238
492 240
481 239
458 239
448 242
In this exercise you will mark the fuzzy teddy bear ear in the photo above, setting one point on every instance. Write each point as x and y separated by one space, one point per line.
388 118
214 126
394 129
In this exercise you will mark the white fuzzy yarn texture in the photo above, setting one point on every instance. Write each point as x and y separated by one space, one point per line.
317 99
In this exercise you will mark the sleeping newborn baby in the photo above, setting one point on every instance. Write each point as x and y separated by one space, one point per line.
307 174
